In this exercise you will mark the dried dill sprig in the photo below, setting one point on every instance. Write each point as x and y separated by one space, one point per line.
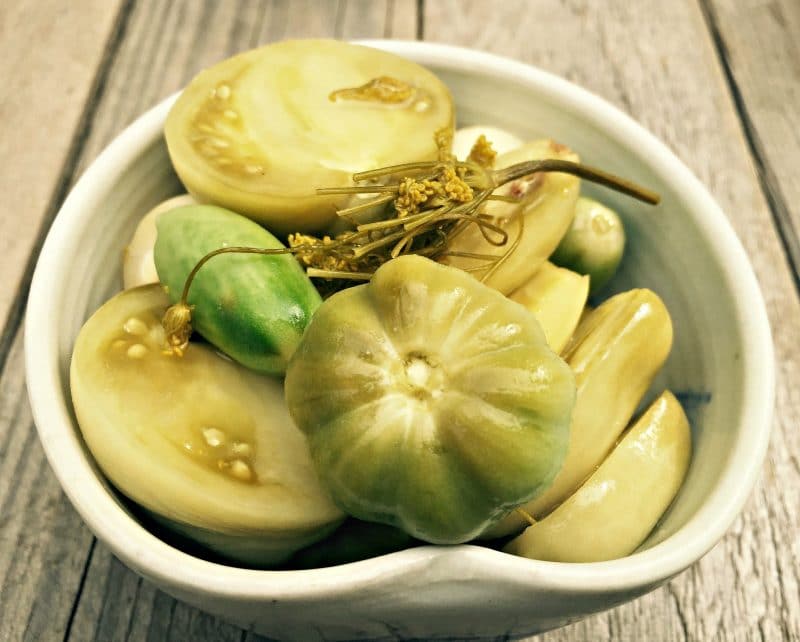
482 152
427 205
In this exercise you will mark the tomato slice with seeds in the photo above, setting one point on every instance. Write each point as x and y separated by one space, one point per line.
204 444
259 132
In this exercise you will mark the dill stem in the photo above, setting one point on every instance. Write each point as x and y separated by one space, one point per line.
592 174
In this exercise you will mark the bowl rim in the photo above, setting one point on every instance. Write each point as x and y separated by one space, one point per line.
157 560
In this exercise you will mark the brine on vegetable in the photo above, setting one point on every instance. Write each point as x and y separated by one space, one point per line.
258 132
431 402
204 444
615 353
556 297
534 226
252 307
615 509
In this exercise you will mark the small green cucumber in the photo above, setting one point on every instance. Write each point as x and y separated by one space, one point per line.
252 307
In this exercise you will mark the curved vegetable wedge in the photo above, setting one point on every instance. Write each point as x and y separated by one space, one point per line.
615 353
612 513
556 297
547 205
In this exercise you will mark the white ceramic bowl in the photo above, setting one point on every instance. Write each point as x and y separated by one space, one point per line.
685 250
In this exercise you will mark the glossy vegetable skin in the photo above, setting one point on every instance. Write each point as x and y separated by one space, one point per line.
547 206
594 243
199 441
258 132
138 264
556 297
252 307
431 402
612 513
615 353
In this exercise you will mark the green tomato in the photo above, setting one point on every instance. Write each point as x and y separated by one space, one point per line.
593 244
257 133
202 443
431 402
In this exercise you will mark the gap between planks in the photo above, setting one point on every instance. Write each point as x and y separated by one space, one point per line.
767 179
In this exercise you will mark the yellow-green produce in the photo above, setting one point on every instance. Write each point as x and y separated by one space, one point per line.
431 402
556 297
594 243
138 264
252 307
464 138
259 132
612 513
204 444
615 353
547 207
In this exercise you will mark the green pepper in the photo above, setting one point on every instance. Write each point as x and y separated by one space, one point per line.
431 402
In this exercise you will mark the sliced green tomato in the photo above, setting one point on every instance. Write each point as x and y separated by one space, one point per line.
612 513
594 243
534 227
201 442
138 265
432 403
501 140
615 353
556 297
257 133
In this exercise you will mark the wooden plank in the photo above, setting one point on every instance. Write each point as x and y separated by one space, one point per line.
758 48
114 604
48 78
657 61
44 545
757 45
42 540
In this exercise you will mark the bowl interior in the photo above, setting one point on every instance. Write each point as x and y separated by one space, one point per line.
682 249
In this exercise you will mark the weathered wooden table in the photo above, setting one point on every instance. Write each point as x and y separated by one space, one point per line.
718 80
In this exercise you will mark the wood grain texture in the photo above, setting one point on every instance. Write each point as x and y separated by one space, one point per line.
658 62
48 79
758 46
163 45
44 545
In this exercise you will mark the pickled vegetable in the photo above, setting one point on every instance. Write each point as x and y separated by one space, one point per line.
615 354
199 441
534 227
612 513
257 133
556 297
431 402
594 243
501 140
138 265
254 308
